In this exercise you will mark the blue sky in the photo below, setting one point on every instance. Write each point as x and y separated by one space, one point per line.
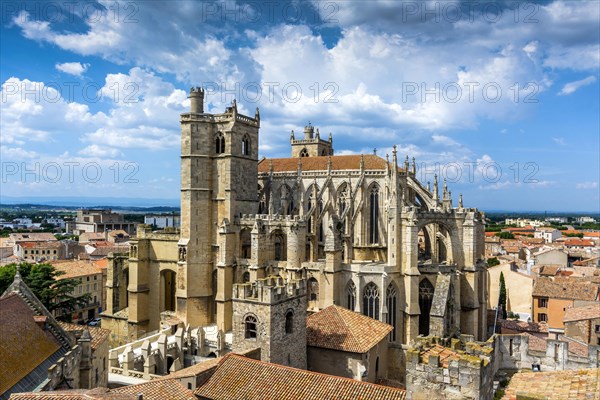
501 98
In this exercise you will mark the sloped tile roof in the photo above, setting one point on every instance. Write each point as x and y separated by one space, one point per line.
239 377
446 355
556 385
17 325
78 394
338 328
75 268
99 335
523 326
158 390
591 311
565 288
338 163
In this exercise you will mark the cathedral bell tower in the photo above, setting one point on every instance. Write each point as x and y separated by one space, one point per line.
219 167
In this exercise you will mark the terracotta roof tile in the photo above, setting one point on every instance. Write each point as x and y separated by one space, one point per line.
338 328
99 335
17 325
158 390
536 343
239 377
76 268
523 326
446 354
591 311
77 394
556 385
349 162
40 245
579 242
566 288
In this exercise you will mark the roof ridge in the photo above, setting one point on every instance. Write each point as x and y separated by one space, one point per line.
354 338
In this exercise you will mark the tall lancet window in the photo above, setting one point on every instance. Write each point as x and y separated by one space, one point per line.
371 301
374 215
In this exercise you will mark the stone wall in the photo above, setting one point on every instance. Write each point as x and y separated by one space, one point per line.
584 330
268 301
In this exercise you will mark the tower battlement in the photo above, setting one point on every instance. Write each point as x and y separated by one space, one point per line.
273 289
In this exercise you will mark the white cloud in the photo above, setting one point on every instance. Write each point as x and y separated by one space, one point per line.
72 68
559 140
587 185
572 87
100 151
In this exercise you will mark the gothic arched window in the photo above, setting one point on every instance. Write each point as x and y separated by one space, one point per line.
220 143
374 215
391 308
250 327
351 296
313 293
371 301
304 153
426 291
289 322
246 146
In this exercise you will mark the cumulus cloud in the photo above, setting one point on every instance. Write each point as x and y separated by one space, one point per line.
572 87
72 68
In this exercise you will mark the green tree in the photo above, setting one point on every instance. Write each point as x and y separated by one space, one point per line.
505 235
502 296
44 281
492 262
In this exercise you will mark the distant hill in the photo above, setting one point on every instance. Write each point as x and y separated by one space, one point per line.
116 203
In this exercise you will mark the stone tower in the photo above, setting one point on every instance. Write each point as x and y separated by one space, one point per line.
311 145
219 156
271 314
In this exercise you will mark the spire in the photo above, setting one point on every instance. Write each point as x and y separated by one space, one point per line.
362 162
318 135
395 157
445 189
406 165
436 195
414 166
429 186
460 201
257 114
292 135
330 138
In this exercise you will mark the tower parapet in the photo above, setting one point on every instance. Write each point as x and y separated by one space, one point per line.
196 97
270 290
311 144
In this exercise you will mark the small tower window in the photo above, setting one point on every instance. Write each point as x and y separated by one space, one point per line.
245 146
250 325
289 322
220 144
304 153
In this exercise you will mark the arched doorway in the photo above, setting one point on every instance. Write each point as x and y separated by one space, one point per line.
426 290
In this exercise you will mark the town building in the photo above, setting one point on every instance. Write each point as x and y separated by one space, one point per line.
99 220
552 297
91 283
548 234
162 221
583 323
39 251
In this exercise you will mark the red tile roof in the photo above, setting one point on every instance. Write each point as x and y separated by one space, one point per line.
23 344
157 390
77 394
76 268
40 245
99 335
239 377
349 162
581 313
446 355
579 242
522 326
555 385
338 328
565 288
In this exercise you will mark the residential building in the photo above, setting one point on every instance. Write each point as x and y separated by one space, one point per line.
521 223
583 323
162 220
91 283
552 297
58 222
100 220
548 234
519 287
39 251
585 220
